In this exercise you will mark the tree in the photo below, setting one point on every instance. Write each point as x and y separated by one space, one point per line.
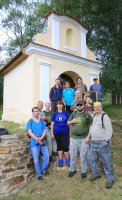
20 22
104 19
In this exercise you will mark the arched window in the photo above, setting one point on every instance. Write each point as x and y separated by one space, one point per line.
69 38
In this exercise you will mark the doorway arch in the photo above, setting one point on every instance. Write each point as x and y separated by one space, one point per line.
68 76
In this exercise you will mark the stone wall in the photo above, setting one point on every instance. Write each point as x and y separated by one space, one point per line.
16 165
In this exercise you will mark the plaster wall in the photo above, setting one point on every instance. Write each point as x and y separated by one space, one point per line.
18 91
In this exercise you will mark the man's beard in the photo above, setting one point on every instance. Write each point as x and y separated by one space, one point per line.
81 110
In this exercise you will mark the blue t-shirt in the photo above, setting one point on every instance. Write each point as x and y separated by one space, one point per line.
97 88
60 122
37 129
68 95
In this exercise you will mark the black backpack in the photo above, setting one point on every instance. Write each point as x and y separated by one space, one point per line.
101 118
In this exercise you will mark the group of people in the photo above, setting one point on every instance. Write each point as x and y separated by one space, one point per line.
69 130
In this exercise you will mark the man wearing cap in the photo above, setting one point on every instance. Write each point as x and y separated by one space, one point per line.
79 122
98 88
100 134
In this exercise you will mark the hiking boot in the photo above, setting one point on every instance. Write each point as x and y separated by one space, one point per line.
93 178
83 175
60 162
39 178
67 162
71 173
109 184
46 173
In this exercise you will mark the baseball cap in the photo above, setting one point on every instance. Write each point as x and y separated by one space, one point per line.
97 104
80 103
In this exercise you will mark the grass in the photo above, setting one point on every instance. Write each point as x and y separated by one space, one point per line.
58 186
12 127
114 112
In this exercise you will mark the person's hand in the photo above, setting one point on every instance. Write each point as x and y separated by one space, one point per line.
74 121
64 103
43 117
39 140
52 135
87 139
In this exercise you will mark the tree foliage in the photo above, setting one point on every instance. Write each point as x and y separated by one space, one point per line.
104 19
21 22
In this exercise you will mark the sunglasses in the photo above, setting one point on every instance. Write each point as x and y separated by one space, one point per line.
79 104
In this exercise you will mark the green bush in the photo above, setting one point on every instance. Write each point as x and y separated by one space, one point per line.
12 127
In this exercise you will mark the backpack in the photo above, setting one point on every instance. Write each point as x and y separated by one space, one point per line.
101 118
31 121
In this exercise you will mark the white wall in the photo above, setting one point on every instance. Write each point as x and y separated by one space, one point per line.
18 91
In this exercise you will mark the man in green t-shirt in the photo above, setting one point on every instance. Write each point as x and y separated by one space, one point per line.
51 143
79 122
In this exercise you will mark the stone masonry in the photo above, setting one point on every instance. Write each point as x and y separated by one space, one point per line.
16 165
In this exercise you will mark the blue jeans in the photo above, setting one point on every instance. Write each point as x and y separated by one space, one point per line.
40 165
103 150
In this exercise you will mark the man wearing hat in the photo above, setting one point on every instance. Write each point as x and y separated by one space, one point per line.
98 88
100 134
79 122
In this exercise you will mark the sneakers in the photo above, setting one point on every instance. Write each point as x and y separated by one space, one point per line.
93 178
68 162
60 162
71 173
83 175
109 184
39 178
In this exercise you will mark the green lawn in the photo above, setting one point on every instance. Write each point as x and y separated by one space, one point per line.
115 112
58 186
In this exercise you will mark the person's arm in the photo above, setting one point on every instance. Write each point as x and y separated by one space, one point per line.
88 138
63 98
32 135
29 130
63 101
90 89
108 127
90 120
51 94
52 125
41 137
71 120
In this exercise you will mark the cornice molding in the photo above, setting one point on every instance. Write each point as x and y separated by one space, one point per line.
46 51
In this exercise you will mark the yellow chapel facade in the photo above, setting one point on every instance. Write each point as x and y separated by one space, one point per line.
59 52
